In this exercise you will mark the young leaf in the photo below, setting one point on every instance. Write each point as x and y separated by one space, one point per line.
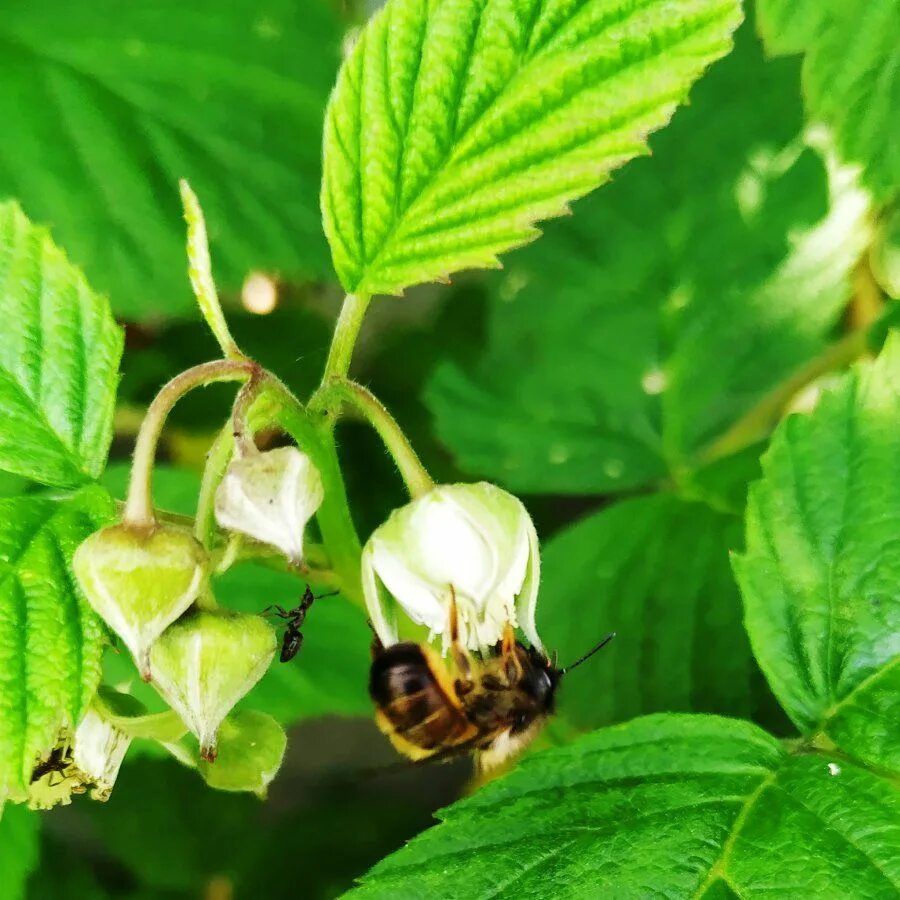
106 105
656 571
455 126
673 805
50 639
19 835
822 566
852 87
604 336
59 358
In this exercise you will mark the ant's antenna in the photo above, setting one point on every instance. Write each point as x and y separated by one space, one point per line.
588 655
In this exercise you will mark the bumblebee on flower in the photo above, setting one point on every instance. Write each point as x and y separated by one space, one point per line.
462 560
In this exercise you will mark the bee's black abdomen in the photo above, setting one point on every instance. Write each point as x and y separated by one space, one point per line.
409 696
398 671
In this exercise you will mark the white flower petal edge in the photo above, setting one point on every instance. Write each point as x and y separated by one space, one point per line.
475 537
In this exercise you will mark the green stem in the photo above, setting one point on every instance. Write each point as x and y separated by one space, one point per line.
757 423
139 506
346 331
414 474
217 460
165 726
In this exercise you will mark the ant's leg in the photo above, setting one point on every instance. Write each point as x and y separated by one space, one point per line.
464 682
279 611
329 594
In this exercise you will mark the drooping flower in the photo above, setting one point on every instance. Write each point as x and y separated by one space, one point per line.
140 580
270 497
206 662
476 538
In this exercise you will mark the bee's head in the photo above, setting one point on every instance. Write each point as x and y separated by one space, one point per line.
542 677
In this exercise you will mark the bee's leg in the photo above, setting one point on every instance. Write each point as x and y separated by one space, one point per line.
464 682
512 668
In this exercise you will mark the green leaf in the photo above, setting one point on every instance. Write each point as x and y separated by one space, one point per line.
50 639
853 87
455 126
675 806
19 833
656 571
637 331
59 358
105 106
822 566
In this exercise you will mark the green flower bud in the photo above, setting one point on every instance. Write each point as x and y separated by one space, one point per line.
140 580
251 748
206 662
270 497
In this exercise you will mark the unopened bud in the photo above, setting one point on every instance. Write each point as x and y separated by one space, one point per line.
140 580
270 497
206 662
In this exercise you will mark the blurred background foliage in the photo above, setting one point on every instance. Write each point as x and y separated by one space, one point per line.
595 375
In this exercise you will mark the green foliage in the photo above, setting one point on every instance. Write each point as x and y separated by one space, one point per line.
700 806
105 106
654 570
851 75
19 830
58 360
680 805
822 565
455 126
643 326
50 639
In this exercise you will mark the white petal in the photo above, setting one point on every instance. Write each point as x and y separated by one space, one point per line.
526 605
425 602
384 620
450 548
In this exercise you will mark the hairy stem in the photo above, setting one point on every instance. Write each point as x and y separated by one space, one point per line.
346 331
139 506
414 474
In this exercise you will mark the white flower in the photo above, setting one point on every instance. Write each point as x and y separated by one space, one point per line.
270 497
475 537
99 750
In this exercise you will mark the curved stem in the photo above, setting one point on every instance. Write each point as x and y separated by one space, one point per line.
217 460
414 474
759 420
138 506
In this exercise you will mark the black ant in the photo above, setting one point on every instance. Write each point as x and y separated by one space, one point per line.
293 638
57 763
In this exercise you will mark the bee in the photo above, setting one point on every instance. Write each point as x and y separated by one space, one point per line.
292 640
491 706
